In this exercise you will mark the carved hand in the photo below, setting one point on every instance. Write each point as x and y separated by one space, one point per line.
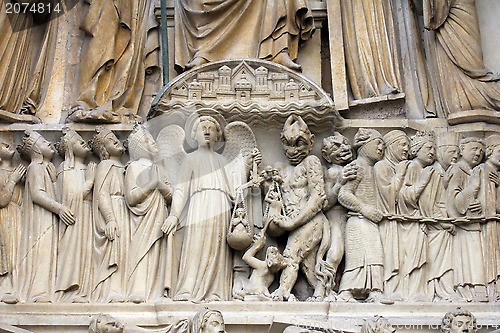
170 224
111 231
401 169
66 216
494 178
17 174
285 223
475 207
425 178
349 172
372 213
90 173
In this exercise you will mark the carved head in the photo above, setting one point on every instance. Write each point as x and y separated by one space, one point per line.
208 321
7 149
447 148
472 151
493 149
141 144
35 147
423 147
336 149
369 144
297 140
106 144
274 259
105 324
459 321
72 144
377 325
397 145
206 131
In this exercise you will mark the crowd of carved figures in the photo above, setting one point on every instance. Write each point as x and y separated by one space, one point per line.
379 218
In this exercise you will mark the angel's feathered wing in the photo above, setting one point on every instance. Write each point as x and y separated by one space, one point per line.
171 151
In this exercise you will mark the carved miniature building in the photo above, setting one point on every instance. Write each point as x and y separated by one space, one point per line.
237 166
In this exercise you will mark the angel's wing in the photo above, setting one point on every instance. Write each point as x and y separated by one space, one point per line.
240 142
171 151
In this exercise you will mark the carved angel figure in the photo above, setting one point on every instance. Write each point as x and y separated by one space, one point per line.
75 182
204 191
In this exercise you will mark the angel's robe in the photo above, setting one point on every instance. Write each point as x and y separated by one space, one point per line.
233 29
205 271
371 47
465 82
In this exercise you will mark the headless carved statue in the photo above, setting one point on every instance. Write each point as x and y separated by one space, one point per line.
114 61
460 57
272 30
371 52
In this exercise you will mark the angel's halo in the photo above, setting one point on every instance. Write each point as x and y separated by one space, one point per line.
188 128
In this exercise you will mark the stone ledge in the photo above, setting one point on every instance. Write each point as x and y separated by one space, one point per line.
346 316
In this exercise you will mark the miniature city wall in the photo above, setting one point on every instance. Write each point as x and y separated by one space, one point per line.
287 163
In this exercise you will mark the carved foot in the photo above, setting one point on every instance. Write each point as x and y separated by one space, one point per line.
196 62
80 300
182 297
377 297
284 59
41 299
346 296
280 295
136 299
10 299
314 298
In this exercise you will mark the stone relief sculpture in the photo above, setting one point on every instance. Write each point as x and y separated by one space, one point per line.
337 152
413 201
146 194
75 181
389 177
263 270
489 197
459 55
25 64
458 321
111 220
205 180
117 53
364 269
10 225
207 321
462 192
370 46
38 247
270 30
303 197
